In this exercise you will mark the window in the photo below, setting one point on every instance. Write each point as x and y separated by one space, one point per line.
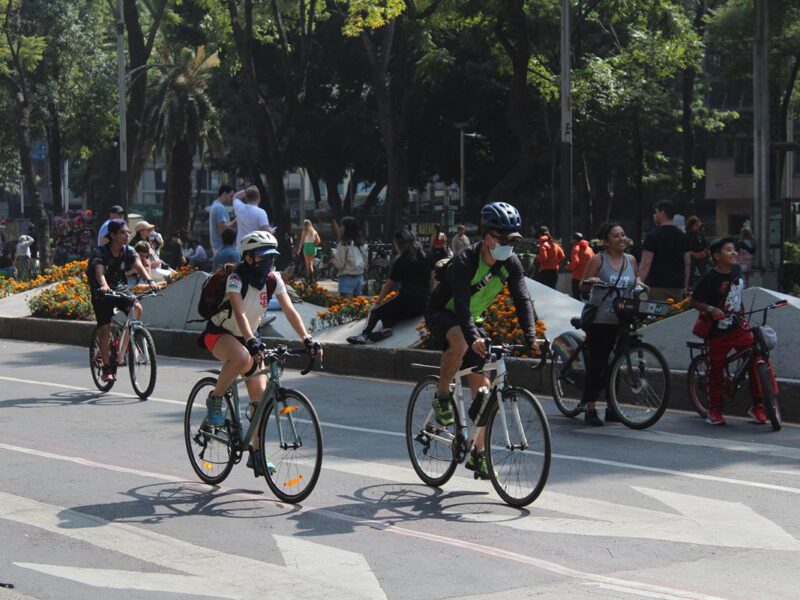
744 156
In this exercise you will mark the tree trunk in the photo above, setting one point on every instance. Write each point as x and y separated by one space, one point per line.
638 149
372 199
334 198
40 221
313 177
178 186
55 154
687 162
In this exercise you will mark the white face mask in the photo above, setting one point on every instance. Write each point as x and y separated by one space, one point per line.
502 253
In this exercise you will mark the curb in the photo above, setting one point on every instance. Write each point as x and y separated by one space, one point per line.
363 361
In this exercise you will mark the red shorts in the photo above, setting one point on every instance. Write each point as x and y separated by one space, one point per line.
210 340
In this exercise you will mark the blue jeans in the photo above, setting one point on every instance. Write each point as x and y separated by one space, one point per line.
351 284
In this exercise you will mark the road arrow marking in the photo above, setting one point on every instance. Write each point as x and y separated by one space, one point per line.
699 520
705 521
203 569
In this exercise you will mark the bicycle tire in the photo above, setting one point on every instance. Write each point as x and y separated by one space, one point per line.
771 405
504 462
142 358
697 380
567 389
419 425
96 363
296 423
635 410
211 449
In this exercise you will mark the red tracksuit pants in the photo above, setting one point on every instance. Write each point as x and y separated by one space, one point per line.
718 349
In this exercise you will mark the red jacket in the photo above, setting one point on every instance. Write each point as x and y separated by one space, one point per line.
581 255
550 254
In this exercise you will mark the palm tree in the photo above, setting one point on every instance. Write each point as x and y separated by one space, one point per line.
180 120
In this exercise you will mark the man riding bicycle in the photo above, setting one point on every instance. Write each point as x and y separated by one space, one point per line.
106 272
473 279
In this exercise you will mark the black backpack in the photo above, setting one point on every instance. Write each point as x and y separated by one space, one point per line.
212 296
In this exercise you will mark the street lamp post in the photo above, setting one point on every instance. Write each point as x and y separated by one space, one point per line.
565 216
761 136
123 125
462 185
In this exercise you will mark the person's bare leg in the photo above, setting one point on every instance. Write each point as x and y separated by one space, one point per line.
234 358
477 381
255 391
103 337
451 358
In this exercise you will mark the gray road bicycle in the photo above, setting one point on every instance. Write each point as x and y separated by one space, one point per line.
517 435
284 421
130 344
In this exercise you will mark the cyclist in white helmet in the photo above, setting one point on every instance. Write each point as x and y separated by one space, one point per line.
231 335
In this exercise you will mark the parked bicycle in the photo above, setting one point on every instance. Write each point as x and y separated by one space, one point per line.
737 366
284 426
131 344
638 384
380 258
517 435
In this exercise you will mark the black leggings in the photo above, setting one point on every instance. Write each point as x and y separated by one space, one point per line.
600 340
402 306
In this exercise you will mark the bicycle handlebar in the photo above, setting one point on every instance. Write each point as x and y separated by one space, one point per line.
494 352
283 352
130 295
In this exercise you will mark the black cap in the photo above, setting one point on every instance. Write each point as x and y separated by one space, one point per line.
577 236
116 209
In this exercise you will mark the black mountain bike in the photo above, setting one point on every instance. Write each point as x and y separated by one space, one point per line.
638 383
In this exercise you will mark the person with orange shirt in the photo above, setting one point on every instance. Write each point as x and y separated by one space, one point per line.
549 258
581 255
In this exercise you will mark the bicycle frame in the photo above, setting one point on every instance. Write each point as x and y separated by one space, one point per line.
466 436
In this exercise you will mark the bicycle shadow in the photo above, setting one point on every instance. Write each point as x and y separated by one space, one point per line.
382 506
70 398
160 502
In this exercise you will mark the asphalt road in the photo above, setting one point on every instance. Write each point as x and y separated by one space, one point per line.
98 501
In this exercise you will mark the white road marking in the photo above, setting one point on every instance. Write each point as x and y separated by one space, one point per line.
552 567
785 472
309 573
585 459
696 440
64 386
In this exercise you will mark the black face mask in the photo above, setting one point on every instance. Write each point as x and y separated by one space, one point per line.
256 273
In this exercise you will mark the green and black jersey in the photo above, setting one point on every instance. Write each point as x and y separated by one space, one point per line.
456 294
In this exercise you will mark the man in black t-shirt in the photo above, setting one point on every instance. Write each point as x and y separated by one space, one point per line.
106 272
666 260
718 295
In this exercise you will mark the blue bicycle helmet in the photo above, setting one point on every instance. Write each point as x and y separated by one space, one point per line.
501 216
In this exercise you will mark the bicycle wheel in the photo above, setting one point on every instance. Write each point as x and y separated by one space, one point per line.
96 364
291 439
430 445
697 379
211 450
771 406
567 382
639 385
142 362
518 442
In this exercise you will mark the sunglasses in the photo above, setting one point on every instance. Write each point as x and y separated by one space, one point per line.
502 241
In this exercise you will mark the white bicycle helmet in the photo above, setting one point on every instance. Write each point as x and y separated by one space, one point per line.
258 243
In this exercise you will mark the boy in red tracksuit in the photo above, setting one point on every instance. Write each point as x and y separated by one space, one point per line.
581 255
719 295
549 258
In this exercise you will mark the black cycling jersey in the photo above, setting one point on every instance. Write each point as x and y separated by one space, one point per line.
455 292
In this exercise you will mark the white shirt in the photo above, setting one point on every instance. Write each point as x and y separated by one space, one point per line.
255 304
101 234
24 246
249 218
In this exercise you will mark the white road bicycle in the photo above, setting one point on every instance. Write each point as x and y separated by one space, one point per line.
517 437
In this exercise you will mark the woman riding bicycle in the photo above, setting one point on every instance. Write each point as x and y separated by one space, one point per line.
231 335
614 268
718 295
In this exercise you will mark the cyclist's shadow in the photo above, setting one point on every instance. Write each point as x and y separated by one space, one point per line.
382 506
71 398
159 502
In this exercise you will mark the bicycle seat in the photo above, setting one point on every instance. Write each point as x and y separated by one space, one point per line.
575 322
696 345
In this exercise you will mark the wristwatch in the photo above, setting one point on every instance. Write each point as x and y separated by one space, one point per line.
709 309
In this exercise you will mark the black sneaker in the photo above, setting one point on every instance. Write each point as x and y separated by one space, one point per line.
377 336
357 340
593 419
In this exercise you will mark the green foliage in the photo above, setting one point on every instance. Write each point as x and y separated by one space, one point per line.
365 15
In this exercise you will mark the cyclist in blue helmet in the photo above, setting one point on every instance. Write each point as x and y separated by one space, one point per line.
475 276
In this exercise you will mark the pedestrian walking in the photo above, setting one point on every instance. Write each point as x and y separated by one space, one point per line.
579 257
250 216
548 259
701 260
218 218
613 267
666 261
307 247
746 248
410 276
460 240
351 258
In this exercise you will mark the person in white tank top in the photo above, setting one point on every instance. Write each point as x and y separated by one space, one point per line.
232 336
